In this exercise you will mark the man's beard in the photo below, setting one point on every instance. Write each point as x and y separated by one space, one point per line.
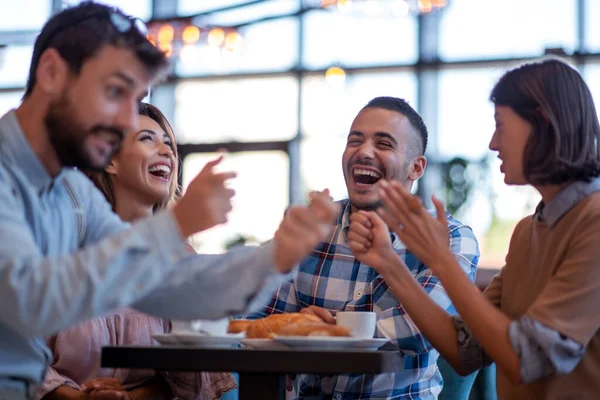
67 135
368 207
400 177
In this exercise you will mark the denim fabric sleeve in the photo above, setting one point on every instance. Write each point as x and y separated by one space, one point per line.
99 218
543 351
43 294
282 300
214 286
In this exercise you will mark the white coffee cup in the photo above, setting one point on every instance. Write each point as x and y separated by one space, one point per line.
362 324
181 326
217 327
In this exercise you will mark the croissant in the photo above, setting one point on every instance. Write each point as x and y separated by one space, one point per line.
314 329
238 325
270 326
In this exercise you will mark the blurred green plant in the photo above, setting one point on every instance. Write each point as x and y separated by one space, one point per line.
239 240
461 177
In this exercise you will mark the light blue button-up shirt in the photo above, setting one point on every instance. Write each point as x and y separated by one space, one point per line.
66 257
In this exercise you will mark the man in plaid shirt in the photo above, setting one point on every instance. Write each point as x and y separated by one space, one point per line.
387 140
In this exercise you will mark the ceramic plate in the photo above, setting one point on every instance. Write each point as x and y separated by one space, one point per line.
165 338
201 340
370 344
263 344
330 343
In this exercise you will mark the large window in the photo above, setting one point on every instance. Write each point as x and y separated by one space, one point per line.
351 39
592 27
9 100
138 8
592 78
465 127
465 114
14 65
493 209
475 29
321 165
329 107
271 87
266 46
189 7
261 198
328 111
245 110
21 15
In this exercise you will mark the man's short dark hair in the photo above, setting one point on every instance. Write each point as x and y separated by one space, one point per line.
565 141
401 106
79 32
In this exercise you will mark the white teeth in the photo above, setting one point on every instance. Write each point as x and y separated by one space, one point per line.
160 167
367 172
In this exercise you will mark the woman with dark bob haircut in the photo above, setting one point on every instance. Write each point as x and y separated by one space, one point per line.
539 319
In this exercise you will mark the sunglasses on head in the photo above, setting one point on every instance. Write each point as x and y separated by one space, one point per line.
123 24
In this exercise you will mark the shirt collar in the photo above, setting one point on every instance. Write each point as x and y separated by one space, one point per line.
15 147
344 220
344 217
565 200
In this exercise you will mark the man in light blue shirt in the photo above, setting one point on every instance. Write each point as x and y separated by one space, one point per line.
64 256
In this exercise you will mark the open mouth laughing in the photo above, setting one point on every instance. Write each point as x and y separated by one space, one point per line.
161 171
365 177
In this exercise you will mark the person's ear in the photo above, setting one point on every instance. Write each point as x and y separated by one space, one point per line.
112 168
52 73
417 168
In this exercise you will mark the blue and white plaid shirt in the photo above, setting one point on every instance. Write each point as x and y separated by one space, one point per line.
333 279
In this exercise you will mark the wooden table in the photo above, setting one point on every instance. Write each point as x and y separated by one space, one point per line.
262 372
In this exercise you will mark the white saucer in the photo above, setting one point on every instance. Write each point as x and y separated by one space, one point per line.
264 344
165 338
370 344
329 343
202 340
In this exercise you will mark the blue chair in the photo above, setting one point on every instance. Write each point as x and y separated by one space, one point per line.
484 387
234 394
456 387
480 385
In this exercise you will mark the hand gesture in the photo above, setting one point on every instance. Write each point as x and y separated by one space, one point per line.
319 312
369 239
314 193
104 389
302 228
206 202
108 395
320 207
425 236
